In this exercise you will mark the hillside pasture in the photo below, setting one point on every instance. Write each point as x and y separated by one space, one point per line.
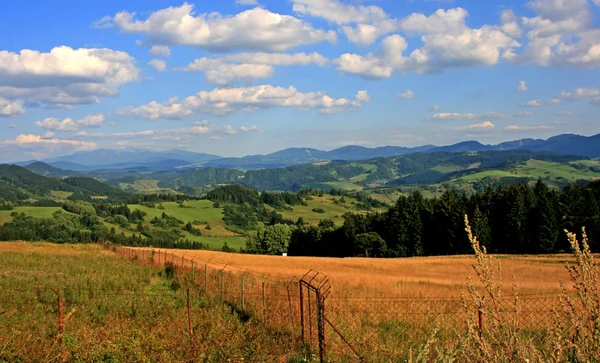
37 212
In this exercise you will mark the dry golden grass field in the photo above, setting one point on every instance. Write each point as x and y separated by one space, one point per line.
442 277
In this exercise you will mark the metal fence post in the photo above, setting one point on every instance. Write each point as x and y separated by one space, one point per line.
206 278
190 324
301 311
243 292
264 301
222 288
321 325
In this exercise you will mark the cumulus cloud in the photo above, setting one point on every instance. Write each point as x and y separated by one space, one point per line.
11 108
159 65
474 116
447 43
580 93
532 103
222 101
160 51
406 95
361 24
522 87
69 124
486 125
65 76
51 144
561 34
254 29
249 66
252 128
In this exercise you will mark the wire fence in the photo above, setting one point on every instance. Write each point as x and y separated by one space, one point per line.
346 328
299 313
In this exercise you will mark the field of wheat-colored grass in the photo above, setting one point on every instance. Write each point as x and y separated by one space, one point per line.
443 277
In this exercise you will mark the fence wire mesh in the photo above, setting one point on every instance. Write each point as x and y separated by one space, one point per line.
299 313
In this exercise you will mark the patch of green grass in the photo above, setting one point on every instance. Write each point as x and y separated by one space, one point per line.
332 211
115 310
60 195
201 210
37 212
345 186
445 169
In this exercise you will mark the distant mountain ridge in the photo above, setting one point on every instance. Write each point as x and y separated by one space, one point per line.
148 161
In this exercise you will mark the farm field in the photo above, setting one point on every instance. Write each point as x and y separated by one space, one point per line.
115 310
439 277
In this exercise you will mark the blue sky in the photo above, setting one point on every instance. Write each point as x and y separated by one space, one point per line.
244 77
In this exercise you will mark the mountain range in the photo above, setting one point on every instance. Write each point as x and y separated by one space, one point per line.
151 161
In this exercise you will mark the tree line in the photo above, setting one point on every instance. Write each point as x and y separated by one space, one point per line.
516 219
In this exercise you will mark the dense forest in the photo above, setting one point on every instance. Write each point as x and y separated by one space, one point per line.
516 219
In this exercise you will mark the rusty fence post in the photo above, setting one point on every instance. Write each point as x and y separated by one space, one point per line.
302 312
321 325
264 301
206 278
190 323
243 292
222 287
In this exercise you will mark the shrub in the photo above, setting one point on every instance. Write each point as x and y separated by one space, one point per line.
318 210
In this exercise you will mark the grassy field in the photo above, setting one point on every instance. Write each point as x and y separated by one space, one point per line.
332 211
116 310
440 277
538 169
38 212
200 211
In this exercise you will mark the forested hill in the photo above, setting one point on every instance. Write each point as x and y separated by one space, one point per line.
18 183
413 169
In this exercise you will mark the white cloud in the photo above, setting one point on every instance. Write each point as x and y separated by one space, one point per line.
532 103
256 29
447 43
510 23
159 65
252 128
222 101
246 2
406 95
451 21
580 93
486 125
474 116
248 66
31 141
70 124
11 108
215 138
361 24
527 128
65 76
217 72
522 87
160 51
435 108
277 59
561 34
363 96
555 101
